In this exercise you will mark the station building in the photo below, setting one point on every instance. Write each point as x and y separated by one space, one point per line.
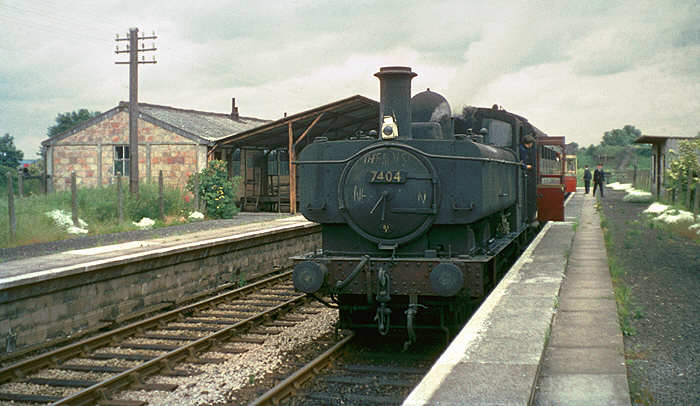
174 140
181 142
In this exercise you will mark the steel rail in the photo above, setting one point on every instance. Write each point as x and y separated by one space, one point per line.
292 383
55 357
135 375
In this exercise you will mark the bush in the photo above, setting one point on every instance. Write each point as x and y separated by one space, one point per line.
216 191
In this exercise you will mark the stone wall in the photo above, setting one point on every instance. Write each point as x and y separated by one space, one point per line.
33 314
90 153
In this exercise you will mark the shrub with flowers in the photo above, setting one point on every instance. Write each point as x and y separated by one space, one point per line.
216 191
684 168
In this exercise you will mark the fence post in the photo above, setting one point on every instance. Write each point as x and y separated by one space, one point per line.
160 195
74 198
687 189
673 196
634 176
11 206
697 198
20 184
44 186
196 192
120 203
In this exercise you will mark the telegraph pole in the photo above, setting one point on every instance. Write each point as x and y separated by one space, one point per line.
133 50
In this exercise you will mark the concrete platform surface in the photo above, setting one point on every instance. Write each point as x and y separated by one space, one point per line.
37 269
547 335
495 358
584 360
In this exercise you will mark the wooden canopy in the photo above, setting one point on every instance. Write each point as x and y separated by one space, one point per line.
338 120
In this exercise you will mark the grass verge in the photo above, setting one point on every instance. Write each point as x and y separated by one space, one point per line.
627 310
98 207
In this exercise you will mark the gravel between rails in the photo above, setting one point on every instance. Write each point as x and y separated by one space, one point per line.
663 273
239 370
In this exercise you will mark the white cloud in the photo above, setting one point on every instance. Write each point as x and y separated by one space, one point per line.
573 68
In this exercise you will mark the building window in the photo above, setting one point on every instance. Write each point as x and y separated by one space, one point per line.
236 158
284 162
121 160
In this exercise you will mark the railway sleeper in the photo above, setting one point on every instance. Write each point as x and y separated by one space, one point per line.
70 383
172 337
28 397
114 355
155 347
92 368
248 340
327 398
190 328
364 380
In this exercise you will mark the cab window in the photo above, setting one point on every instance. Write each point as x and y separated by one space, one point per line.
500 132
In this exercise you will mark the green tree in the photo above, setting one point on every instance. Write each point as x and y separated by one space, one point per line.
9 154
621 137
66 121
9 157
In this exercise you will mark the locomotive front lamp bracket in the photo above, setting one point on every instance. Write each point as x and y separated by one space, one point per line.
389 128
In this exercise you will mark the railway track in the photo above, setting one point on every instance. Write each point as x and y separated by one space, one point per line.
354 373
94 370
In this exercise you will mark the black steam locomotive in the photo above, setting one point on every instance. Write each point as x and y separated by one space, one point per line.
420 218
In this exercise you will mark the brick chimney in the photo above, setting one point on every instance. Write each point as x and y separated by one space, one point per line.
234 109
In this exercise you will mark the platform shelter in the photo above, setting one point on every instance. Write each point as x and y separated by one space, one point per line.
264 156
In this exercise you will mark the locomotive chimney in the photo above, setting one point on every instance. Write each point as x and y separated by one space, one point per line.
395 99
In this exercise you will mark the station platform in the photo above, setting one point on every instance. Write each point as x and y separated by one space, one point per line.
51 297
37 268
548 334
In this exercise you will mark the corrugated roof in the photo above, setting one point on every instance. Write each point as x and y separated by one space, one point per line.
657 139
340 119
207 125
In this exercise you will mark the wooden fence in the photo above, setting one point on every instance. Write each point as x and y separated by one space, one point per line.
21 193
687 197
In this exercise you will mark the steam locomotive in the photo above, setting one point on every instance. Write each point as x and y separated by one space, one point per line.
419 219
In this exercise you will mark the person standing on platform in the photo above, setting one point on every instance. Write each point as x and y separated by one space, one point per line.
587 178
599 180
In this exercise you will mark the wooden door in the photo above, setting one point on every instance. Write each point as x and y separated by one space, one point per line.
550 178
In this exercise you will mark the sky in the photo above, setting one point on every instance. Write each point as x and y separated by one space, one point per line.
573 68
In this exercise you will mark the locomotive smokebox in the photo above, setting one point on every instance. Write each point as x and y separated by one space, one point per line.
395 100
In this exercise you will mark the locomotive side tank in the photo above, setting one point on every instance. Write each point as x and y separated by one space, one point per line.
417 221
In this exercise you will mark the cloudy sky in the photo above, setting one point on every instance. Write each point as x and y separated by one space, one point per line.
574 68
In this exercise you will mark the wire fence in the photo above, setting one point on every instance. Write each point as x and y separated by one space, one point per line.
20 186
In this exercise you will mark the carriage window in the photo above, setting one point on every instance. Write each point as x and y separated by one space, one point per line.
500 132
550 164
571 164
